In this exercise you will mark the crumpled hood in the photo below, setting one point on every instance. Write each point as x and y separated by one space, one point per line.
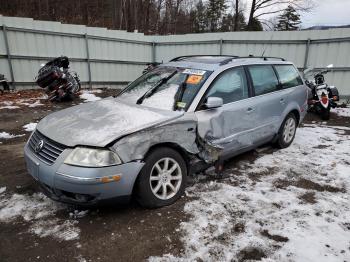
101 122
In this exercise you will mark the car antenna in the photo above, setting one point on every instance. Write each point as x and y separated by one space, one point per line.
265 47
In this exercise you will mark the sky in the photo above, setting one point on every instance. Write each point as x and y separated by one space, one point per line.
326 12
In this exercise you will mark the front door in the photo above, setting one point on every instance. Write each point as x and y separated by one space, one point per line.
229 126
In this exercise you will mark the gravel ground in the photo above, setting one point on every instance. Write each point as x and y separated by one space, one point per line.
207 224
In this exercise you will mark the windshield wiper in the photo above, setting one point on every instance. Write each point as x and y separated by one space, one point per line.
153 89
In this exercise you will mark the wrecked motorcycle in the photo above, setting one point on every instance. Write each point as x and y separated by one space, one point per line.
322 97
60 83
4 83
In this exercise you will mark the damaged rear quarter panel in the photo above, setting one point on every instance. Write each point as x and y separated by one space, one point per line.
182 132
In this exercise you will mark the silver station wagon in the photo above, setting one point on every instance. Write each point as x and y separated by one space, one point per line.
182 117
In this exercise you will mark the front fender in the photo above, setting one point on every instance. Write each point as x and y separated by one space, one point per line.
181 132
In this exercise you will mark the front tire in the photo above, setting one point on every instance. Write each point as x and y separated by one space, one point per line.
325 113
287 131
162 180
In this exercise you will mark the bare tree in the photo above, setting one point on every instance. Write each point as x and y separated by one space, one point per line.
261 8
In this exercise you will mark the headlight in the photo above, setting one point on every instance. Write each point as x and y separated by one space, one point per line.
90 157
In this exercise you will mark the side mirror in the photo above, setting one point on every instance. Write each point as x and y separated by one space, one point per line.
214 102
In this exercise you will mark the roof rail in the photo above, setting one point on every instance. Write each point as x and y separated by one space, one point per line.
179 58
262 57
265 58
229 58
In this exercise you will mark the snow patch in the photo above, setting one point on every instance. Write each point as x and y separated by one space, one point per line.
292 204
64 230
5 135
30 127
23 102
36 104
2 190
9 107
345 112
89 95
40 212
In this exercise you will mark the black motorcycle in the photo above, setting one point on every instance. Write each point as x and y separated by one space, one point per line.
322 97
4 83
60 83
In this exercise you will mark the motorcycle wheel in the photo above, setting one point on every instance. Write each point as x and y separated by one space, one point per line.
325 113
53 97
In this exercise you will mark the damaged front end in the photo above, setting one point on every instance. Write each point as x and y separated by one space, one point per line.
181 133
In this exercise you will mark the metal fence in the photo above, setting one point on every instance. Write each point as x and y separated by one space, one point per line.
113 58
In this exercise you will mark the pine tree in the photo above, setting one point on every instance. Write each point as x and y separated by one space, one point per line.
215 12
200 20
228 23
289 20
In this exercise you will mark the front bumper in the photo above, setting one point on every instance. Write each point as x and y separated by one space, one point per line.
81 185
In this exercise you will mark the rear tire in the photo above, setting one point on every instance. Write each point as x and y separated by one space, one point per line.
325 113
287 131
162 179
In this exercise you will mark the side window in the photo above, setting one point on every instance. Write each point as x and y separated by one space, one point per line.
288 75
231 85
264 79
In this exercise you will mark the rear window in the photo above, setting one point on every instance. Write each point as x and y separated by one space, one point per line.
288 76
264 79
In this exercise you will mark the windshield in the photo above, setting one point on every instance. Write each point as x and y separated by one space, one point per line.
167 88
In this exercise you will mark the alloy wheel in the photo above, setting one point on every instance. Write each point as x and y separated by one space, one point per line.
289 130
165 179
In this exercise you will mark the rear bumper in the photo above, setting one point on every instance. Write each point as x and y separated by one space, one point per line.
81 185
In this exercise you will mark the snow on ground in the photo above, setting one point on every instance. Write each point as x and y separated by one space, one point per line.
289 205
7 105
40 212
2 190
341 111
30 102
30 127
89 95
5 135
35 104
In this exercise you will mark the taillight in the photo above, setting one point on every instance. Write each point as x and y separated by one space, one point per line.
324 99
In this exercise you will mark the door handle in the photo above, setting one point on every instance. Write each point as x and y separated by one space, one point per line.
250 110
282 101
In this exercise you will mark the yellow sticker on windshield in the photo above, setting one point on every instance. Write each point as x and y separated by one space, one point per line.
194 79
181 104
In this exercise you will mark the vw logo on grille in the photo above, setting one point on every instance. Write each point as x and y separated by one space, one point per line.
39 146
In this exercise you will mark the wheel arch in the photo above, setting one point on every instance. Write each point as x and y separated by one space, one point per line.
183 153
296 114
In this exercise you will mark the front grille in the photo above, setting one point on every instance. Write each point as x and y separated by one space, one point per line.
50 149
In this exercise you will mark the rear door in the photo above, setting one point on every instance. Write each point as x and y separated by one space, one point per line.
268 99
292 88
231 125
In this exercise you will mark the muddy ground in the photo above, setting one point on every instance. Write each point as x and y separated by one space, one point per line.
115 233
